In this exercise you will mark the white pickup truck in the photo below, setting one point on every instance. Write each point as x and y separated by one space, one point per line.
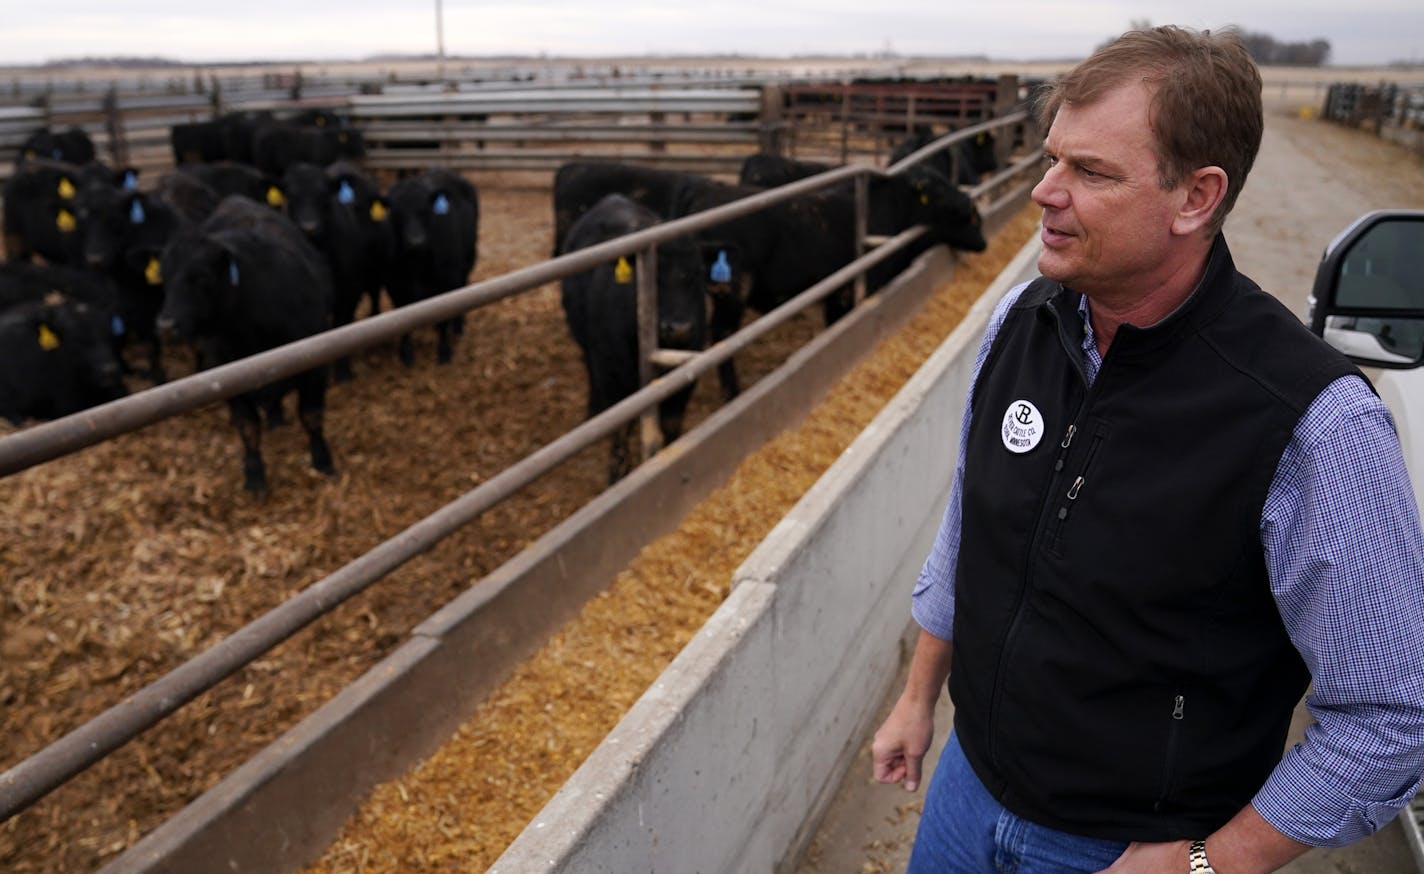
1368 302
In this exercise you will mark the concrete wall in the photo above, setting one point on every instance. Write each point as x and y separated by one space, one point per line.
728 761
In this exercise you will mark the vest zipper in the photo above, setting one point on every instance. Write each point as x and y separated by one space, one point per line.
1075 488
1169 764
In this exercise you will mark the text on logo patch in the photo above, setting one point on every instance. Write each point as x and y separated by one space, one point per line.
1023 426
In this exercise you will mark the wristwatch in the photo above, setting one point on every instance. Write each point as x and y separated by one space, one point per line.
1196 856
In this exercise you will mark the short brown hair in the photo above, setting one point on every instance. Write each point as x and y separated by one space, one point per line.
1206 103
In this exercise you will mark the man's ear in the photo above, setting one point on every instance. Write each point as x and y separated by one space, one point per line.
1205 189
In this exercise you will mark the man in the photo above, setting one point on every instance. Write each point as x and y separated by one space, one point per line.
1173 508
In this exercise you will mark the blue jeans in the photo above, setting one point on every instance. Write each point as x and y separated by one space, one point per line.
963 830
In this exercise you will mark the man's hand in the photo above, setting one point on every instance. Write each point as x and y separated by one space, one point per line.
904 738
901 743
1169 858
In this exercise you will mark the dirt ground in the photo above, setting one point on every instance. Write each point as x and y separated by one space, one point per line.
1310 180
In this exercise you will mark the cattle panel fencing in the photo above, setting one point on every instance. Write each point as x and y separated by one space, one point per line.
530 121
1390 110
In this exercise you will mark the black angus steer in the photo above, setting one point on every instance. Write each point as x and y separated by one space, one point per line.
919 195
435 217
601 309
232 177
72 145
39 212
578 185
122 234
965 162
245 281
55 359
343 214
24 282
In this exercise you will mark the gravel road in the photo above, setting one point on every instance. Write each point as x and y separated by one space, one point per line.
1310 180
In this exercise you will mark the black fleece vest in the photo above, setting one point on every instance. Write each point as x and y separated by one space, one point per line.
1120 668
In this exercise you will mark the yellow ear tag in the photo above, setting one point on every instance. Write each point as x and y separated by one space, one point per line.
924 199
378 212
623 272
274 196
48 341
65 221
152 274
66 188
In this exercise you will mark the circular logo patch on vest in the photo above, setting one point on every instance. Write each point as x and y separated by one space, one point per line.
1023 426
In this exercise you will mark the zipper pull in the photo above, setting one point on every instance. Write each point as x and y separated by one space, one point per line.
1073 490
1068 438
1178 706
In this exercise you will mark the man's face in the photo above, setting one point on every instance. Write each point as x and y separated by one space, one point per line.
1106 220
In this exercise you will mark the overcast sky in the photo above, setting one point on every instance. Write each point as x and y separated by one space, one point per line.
1359 32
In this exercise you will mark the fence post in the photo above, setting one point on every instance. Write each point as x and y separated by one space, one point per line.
772 114
862 211
845 122
649 428
114 126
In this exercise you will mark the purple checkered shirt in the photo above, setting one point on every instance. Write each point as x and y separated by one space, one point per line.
1340 528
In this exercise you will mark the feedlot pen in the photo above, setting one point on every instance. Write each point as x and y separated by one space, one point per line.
129 558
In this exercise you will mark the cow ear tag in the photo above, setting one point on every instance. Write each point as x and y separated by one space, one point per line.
136 214
274 196
232 273
48 340
378 211
130 180
623 271
344 194
66 188
116 325
721 270
152 273
65 221
442 205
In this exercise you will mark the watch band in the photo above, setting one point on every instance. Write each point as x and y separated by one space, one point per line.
1196 857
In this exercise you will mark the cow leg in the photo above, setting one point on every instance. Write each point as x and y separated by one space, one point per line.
311 410
620 458
444 348
156 373
406 351
670 414
727 313
341 367
249 429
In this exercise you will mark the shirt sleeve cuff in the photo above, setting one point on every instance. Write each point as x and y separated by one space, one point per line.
1306 806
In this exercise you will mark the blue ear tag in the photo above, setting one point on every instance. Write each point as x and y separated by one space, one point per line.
442 205
136 214
130 180
116 325
721 270
232 273
344 194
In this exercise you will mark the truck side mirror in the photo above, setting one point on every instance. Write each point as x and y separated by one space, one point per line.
1368 299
